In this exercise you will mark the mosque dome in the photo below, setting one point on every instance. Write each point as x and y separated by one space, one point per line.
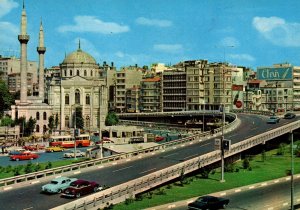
79 57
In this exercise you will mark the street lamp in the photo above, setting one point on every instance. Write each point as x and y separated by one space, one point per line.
74 135
292 170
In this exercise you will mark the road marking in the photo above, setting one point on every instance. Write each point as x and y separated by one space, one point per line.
121 169
232 135
171 154
238 190
148 170
77 172
7 188
251 187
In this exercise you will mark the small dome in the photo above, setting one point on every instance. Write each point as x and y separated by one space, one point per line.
79 57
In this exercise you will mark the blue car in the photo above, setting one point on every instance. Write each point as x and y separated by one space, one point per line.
273 120
57 185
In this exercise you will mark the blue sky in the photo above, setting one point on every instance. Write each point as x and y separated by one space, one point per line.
128 32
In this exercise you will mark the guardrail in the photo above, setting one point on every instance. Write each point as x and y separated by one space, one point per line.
94 162
128 190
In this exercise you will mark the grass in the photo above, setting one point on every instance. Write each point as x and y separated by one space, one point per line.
274 166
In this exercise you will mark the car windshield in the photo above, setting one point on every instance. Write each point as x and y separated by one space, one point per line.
54 182
74 184
273 117
202 200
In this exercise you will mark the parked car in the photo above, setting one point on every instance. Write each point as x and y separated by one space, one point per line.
57 185
289 115
209 202
71 154
81 187
33 147
273 120
54 149
24 156
159 138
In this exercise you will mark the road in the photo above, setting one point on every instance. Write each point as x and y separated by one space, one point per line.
30 197
275 196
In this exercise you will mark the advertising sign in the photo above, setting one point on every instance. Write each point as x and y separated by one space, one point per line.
283 73
238 96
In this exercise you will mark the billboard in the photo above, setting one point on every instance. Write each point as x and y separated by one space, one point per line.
238 97
282 73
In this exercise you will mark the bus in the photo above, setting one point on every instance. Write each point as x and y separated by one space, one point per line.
68 141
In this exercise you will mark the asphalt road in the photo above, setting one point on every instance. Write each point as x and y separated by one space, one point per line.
30 197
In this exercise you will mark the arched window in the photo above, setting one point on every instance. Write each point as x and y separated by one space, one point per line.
67 121
77 72
87 99
37 128
77 96
91 73
65 73
44 116
85 73
67 99
44 129
71 73
37 116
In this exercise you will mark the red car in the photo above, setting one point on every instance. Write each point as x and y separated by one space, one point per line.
159 138
80 187
24 156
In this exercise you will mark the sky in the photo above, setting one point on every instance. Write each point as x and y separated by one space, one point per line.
127 32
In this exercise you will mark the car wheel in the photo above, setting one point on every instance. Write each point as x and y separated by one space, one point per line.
17 159
31 158
77 195
95 189
59 191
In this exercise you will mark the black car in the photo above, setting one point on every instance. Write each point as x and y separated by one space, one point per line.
289 116
209 202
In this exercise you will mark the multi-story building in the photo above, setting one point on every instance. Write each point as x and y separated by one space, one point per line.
126 78
296 88
174 90
132 99
14 83
150 96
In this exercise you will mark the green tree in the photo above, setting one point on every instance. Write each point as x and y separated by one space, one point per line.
6 121
29 126
51 123
111 119
56 121
79 118
6 98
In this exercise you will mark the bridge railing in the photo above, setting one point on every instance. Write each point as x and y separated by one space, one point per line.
106 160
129 189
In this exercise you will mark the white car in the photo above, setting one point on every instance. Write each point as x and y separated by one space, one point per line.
71 154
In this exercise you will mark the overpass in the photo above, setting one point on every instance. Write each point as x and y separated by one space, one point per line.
190 154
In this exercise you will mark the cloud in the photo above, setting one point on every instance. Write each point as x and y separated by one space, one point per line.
242 57
168 48
6 6
278 31
92 24
229 42
8 35
153 22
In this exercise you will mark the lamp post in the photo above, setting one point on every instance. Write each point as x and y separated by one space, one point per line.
74 130
292 170
223 124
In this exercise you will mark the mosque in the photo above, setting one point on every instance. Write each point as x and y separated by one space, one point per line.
81 83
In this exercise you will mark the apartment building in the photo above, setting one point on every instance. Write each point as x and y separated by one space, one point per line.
132 99
150 95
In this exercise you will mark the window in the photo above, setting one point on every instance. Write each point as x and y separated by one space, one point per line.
67 121
71 73
77 96
37 128
44 116
77 72
87 99
37 116
67 100
65 73
85 73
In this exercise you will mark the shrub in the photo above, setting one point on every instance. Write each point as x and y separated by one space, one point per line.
49 165
281 149
229 167
8 169
29 168
37 167
246 163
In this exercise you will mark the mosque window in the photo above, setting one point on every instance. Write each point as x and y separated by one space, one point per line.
37 116
67 99
77 96
87 99
67 121
65 73
91 73
37 128
85 73
44 129
44 116
71 73
77 72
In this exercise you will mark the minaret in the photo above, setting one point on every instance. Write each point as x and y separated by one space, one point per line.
23 39
41 49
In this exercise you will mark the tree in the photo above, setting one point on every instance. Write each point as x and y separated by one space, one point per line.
29 126
79 118
6 98
56 120
6 121
111 119
51 123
